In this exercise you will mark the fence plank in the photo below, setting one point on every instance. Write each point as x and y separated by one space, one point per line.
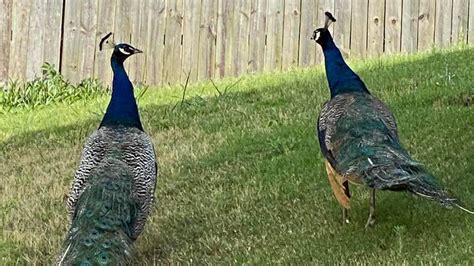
309 22
44 44
192 13
154 55
460 21
342 28
409 26
393 28
225 33
274 35
126 13
105 24
19 39
52 31
172 58
291 33
323 6
207 40
426 24
359 28
376 27
79 39
443 22
5 35
258 12
35 44
139 32
470 34
241 38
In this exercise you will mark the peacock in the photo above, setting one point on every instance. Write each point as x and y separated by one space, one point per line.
358 138
113 189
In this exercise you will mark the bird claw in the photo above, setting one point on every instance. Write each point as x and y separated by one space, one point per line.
345 217
370 222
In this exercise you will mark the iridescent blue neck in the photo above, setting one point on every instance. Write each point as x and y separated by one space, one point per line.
122 109
340 76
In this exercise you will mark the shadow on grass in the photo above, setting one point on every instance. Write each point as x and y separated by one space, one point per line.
250 175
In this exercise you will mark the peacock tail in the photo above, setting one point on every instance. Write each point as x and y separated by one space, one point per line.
102 222
136 151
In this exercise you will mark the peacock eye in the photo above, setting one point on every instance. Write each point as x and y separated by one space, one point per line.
124 51
103 257
85 263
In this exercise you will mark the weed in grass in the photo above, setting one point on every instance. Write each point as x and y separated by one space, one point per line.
50 88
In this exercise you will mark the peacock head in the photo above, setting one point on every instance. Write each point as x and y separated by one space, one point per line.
121 51
322 35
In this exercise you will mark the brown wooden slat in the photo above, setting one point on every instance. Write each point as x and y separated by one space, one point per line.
323 6
342 27
241 38
19 40
79 39
291 33
443 23
309 22
139 26
460 21
410 26
126 13
376 27
192 14
256 58
172 58
35 44
274 31
359 28
225 35
393 27
426 24
52 32
5 33
105 24
470 34
207 40
154 53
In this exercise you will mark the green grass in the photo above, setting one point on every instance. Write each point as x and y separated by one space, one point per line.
241 176
51 87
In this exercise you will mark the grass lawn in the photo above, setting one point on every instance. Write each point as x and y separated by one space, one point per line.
241 176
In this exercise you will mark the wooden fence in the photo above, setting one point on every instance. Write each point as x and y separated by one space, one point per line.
215 38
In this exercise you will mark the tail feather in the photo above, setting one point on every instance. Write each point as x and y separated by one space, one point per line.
100 232
464 209
435 192
388 166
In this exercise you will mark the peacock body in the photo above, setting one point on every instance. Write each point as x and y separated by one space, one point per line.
113 189
358 138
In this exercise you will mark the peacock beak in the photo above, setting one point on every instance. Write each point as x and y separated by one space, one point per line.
137 51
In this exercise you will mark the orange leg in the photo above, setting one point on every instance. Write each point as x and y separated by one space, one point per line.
340 188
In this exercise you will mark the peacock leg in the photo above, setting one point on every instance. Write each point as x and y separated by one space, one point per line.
371 219
345 214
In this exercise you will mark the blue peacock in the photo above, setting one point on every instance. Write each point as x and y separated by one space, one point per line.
359 140
113 189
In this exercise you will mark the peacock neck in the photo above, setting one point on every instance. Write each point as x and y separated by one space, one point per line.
340 76
122 109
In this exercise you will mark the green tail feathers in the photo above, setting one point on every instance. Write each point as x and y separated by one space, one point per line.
367 149
101 226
